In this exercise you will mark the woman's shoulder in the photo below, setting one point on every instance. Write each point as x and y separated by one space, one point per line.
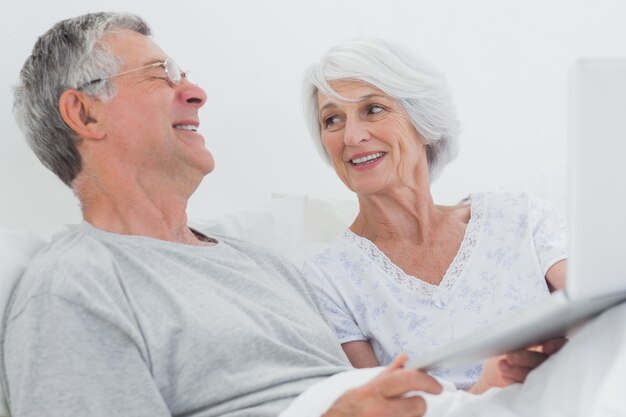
509 200
513 210
522 200
344 246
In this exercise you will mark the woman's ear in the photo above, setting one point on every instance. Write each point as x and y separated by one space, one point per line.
80 112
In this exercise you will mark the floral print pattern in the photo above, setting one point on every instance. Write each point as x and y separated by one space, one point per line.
511 240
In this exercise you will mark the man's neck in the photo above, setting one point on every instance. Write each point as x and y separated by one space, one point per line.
138 211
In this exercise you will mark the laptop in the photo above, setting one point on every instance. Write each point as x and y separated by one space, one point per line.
596 277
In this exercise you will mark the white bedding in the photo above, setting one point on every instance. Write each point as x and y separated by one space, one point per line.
587 378
295 226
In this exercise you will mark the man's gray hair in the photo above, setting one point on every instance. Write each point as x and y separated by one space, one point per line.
69 55
417 86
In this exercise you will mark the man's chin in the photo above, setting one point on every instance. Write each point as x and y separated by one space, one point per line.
209 165
209 170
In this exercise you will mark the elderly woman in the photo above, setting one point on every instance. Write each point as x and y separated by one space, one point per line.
410 275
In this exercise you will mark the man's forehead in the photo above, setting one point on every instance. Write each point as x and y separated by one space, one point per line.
132 47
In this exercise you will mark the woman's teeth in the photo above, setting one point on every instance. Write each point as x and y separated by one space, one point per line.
362 160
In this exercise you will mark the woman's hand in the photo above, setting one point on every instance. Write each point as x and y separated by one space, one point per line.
384 396
513 368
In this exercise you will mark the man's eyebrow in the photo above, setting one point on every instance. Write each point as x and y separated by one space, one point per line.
366 97
154 61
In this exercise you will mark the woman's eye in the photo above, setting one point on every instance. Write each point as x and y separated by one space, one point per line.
330 121
375 109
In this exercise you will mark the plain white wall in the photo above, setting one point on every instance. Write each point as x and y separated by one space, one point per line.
507 64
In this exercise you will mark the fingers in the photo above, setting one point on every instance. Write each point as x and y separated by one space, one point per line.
398 363
403 381
512 374
386 395
552 346
525 359
410 406
361 402
398 380
516 366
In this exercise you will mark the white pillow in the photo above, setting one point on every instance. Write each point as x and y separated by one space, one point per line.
16 251
325 219
294 225
548 183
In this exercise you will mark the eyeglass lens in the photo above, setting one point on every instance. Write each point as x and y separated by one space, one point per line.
173 71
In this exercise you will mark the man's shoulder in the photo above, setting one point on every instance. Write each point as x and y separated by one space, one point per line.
68 265
73 249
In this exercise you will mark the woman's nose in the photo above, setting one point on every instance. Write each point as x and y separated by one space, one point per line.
355 132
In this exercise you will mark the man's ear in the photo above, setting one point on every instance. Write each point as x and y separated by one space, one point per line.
80 112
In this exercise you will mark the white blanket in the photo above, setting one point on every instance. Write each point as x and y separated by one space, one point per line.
586 378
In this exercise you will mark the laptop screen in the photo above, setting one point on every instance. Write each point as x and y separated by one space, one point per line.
597 178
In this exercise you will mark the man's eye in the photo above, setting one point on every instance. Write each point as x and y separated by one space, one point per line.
156 76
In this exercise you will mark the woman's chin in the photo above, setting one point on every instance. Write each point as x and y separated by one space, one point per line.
367 188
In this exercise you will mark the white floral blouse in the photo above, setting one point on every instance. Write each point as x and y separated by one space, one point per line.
511 241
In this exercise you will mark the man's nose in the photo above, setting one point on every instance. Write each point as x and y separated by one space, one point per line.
192 93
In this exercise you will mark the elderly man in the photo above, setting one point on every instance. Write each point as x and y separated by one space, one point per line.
135 314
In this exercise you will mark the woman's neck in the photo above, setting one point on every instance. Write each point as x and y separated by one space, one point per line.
404 214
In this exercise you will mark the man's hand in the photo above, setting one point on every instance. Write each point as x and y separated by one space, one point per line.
514 367
384 395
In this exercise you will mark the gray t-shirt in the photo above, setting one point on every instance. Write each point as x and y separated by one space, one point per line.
113 325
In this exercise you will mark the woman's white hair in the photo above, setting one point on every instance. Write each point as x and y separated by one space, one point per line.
417 86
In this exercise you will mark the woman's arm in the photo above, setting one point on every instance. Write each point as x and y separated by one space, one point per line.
360 353
556 275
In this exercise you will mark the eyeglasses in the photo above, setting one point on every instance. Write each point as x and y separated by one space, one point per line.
174 74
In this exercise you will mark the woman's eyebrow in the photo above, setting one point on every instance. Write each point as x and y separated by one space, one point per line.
370 96
358 100
330 105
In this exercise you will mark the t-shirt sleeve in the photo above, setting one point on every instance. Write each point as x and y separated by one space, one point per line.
549 232
61 359
331 302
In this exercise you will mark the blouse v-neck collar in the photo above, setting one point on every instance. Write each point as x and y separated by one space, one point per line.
456 267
